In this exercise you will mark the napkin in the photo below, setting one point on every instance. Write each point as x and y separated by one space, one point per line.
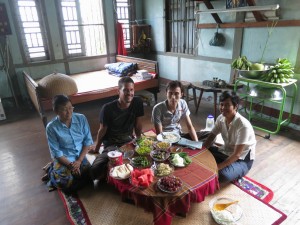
190 144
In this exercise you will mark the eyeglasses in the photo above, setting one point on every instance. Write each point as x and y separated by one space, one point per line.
66 109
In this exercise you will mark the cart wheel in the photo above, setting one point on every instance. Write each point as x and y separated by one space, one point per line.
267 136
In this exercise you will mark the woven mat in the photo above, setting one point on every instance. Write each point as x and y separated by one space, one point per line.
104 206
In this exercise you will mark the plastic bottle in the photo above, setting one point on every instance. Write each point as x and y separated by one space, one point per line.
210 122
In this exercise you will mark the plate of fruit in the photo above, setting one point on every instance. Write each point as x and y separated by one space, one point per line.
169 184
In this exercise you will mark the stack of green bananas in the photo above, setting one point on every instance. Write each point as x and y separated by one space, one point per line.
241 63
282 72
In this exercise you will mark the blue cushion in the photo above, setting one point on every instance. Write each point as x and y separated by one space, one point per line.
121 68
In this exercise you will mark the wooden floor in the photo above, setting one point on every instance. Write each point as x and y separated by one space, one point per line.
25 199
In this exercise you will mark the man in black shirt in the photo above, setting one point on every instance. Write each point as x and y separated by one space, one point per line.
118 120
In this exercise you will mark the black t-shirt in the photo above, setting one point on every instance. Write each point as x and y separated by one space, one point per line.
120 122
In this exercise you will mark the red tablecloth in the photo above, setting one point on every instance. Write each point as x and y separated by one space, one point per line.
199 180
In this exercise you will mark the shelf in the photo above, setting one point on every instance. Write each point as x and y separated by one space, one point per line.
260 19
280 23
253 100
240 9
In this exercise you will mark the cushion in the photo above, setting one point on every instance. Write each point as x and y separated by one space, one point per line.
55 84
121 68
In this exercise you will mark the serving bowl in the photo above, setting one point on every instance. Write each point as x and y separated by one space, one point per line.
162 169
143 149
269 93
162 145
159 155
140 162
252 74
229 215
171 137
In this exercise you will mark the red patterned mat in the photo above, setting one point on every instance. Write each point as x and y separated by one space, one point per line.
254 188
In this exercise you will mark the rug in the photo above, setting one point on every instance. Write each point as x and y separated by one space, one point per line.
104 206
254 188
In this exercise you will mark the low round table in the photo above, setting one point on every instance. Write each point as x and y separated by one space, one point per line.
200 179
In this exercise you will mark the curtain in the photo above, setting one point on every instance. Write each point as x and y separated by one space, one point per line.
121 47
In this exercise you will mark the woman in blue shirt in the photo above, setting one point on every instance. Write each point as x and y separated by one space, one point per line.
69 139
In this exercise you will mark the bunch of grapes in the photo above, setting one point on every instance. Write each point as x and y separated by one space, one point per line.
170 183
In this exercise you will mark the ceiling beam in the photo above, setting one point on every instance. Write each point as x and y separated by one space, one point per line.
214 15
257 15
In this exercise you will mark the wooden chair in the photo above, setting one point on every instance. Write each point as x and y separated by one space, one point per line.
187 86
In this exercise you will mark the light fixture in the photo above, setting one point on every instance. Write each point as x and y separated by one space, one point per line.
240 9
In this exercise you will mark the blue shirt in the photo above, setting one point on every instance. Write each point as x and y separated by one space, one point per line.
68 142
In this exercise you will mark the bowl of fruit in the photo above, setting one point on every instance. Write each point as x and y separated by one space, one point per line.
248 69
169 184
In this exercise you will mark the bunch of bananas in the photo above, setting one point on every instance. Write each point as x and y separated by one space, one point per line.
241 63
282 72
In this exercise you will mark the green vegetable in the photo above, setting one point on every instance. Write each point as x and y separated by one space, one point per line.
140 161
185 156
143 149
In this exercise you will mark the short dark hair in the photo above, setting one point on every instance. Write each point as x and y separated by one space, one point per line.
174 84
59 100
232 96
124 80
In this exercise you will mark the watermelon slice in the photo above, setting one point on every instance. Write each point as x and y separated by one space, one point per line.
142 177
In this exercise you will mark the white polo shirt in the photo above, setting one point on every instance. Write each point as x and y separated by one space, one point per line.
240 131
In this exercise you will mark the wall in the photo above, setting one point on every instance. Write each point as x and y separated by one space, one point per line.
215 61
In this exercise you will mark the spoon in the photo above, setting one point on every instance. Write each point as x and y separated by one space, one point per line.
222 206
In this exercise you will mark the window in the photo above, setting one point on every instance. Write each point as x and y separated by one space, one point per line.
32 30
83 27
124 13
180 25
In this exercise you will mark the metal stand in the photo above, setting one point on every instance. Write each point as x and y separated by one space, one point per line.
261 102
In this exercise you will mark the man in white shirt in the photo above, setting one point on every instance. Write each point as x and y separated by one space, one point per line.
236 156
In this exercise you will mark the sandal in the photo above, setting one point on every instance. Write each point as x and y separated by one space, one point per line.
45 178
47 166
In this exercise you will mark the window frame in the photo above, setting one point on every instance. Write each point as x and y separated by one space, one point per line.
186 44
83 53
22 36
131 17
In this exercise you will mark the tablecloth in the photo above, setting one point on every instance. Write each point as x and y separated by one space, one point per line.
200 179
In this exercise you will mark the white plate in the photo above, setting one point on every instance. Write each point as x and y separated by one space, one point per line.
117 178
171 137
